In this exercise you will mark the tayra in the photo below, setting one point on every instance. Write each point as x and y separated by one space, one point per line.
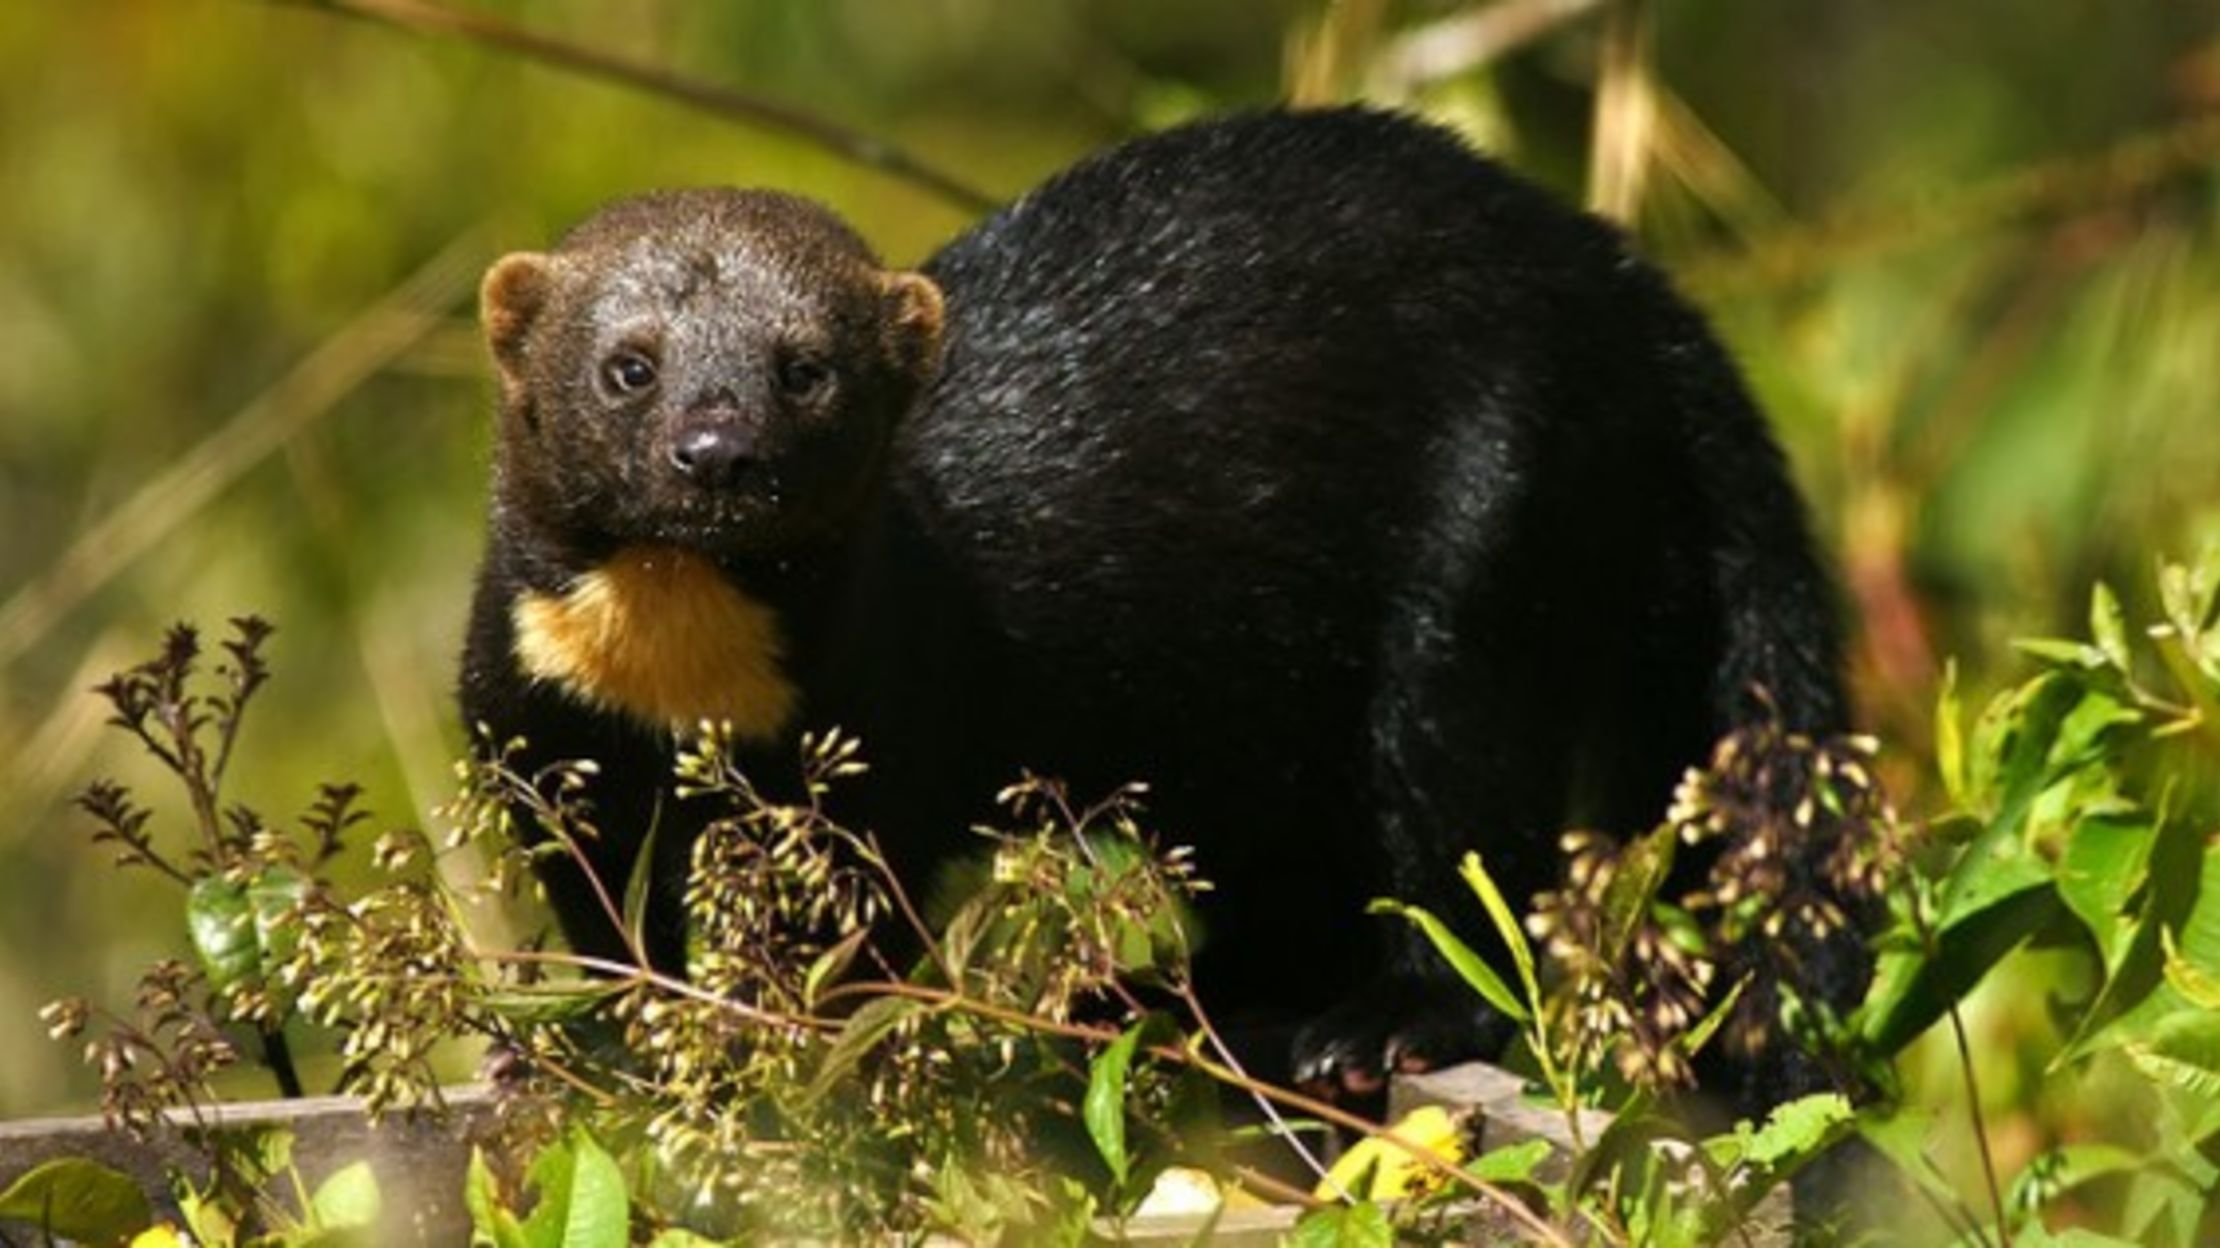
1360 498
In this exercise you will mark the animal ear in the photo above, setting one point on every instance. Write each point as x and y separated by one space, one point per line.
509 300
913 319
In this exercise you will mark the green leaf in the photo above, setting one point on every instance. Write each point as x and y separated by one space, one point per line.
241 930
2108 625
2061 1170
2036 1235
2199 985
1623 1146
221 924
858 1036
2182 1051
2180 910
552 1003
831 965
1104 1109
346 1198
254 1154
2059 652
2107 859
1483 886
1362 1225
73 1198
1633 889
490 1220
207 1219
2197 941
1512 1163
1796 1132
2160 1196
1911 990
639 887
274 897
582 1201
1995 868
2007 763
1950 741
1902 1136
1693 1042
1460 957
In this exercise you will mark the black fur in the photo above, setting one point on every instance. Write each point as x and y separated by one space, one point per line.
1359 497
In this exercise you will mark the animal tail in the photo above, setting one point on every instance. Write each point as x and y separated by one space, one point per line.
1780 647
1779 656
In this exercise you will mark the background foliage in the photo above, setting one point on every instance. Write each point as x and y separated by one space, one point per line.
1966 253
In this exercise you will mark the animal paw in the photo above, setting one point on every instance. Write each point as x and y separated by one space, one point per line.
1402 1025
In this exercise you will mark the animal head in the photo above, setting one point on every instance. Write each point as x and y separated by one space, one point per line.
716 370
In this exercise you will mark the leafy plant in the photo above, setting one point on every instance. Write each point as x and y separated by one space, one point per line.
833 1066
244 880
2083 817
242 1205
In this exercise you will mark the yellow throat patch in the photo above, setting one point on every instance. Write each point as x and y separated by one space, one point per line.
660 634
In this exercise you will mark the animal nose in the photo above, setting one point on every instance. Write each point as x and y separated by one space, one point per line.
712 455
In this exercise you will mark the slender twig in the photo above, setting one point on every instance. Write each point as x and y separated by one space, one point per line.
555 822
1973 1089
191 767
1286 1134
1513 1207
245 680
1980 1128
851 145
629 973
900 896
1274 1189
576 1082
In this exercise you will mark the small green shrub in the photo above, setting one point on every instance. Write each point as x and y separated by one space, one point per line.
834 1067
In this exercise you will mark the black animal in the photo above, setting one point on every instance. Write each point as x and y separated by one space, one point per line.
1359 497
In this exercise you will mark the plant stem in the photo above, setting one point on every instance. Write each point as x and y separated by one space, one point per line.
1539 1230
1283 1192
278 1056
851 145
1287 1134
1965 1067
1980 1129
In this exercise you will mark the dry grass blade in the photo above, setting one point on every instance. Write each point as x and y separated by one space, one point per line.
1470 40
342 363
2074 183
51 754
1626 114
863 149
1323 59
1692 154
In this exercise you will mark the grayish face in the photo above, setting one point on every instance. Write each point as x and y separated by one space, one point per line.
718 370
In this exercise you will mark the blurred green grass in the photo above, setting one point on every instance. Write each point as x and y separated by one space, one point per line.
1966 253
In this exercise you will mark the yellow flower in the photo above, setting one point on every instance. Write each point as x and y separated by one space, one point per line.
1395 1172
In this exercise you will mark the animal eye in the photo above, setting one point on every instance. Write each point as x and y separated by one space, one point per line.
801 376
628 372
